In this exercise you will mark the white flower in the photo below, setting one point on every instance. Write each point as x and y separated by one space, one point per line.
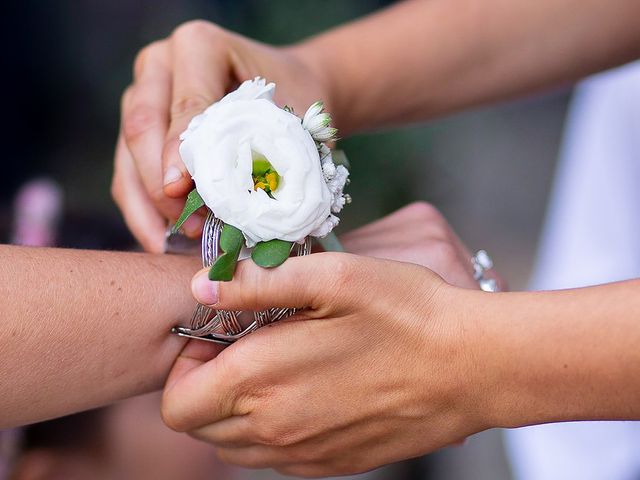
318 123
219 148
336 178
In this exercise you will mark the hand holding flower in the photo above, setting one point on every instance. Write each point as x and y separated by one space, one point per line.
175 79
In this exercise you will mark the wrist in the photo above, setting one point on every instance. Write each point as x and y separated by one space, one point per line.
490 379
454 318
563 355
531 347
312 54
497 382
514 347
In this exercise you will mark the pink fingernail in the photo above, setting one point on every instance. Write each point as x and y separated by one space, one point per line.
193 225
173 174
204 290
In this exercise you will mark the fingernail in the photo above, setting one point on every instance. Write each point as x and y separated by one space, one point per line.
173 174
204 290
193 225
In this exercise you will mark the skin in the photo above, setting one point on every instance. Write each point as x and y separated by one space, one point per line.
82 329
130 319
401 363
416 234
172 84
443 361
463 53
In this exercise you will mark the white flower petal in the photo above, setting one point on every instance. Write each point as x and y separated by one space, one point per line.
312 111
327 226
325 134
217 150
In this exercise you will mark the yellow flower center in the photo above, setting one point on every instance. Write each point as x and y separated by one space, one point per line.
265 177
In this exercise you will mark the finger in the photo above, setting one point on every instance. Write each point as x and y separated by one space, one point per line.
194 354
200 77
422 221
255 456
198 394
389 224
139 213
323 282
234 432
145 121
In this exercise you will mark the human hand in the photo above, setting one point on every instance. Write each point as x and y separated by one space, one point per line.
417 233
371 372
174 80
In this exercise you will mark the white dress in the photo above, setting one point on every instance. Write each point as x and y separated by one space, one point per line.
591 236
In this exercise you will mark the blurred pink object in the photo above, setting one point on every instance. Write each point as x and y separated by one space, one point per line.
9 446
37 211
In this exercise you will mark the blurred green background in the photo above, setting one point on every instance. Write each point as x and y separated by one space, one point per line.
67 63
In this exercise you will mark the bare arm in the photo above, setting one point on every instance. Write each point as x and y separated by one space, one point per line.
413 61
560 356
82 328
424 58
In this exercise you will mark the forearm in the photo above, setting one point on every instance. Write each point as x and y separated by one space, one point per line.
559 356
424 58
81 328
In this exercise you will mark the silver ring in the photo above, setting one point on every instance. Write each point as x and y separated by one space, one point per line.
482 263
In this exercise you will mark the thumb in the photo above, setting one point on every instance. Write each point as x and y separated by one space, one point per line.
317 282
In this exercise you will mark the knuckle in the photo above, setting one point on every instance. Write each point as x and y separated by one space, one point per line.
158 196
227 368
430 224
139 120
343 268
265 434
143 56
275 435
236 395
424 211
126 97
194 28
444 251
342 272
115 191
140 61
189 105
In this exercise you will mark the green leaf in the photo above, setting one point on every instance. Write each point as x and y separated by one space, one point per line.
231 238
193 203
272 253
224 267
